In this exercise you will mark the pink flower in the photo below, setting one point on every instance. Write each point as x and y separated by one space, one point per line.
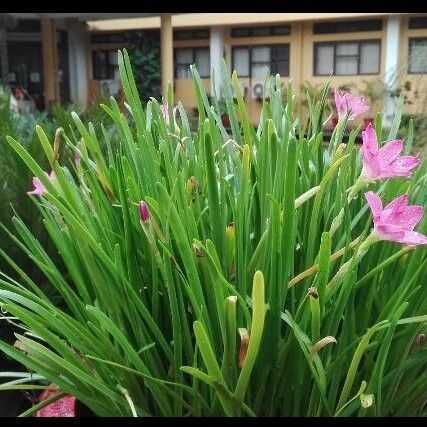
144 212
384 162
165 111
397 220
64 407
355 105
39 188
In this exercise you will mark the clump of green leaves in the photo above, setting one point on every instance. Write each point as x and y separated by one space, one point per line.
216 303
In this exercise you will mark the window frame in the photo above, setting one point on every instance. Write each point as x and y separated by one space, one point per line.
193 49
251 62
334 44
410 40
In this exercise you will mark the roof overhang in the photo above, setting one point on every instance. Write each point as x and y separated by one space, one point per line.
218 19
82 16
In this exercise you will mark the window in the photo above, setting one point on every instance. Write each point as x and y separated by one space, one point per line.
104 64
417 60
276 30
347 58
418 22
199 34
259 61
347 26
186 56
108 38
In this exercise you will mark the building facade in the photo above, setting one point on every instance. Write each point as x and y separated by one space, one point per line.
358 50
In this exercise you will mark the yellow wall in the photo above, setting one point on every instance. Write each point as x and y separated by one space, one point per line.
301 43
301 62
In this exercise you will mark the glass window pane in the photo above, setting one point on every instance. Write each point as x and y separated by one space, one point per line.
282 30
346 65
324 59
261 54
418 56
184 56
183 71
202 61
100 65
347 49
240 32
280 67
183 35
201 34
261 31
241 61
260 71
278 53
369 58
113 57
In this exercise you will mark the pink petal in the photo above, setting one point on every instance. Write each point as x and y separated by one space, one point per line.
412 216
38 187
403 165
393 210
405 219
165 112
340 103
391 173
370 143
389 232
375 204
51 176
414 238
357 107
371 166
389 152
64 407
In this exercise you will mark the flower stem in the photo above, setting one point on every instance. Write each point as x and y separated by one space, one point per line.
310 271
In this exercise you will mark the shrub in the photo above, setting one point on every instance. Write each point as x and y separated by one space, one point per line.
219 274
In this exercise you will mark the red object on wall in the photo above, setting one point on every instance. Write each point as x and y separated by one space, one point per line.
63 407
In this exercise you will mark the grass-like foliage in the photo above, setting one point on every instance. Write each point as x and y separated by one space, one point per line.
242 285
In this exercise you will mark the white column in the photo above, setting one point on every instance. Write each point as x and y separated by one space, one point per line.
391 65
216 54
77 43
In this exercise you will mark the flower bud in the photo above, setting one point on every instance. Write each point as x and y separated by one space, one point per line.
244 344
144 212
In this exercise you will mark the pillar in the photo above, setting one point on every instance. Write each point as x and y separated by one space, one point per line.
166 52
50 62
77 58
216 54
391 65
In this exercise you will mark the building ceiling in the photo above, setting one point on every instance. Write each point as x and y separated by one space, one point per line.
82 16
